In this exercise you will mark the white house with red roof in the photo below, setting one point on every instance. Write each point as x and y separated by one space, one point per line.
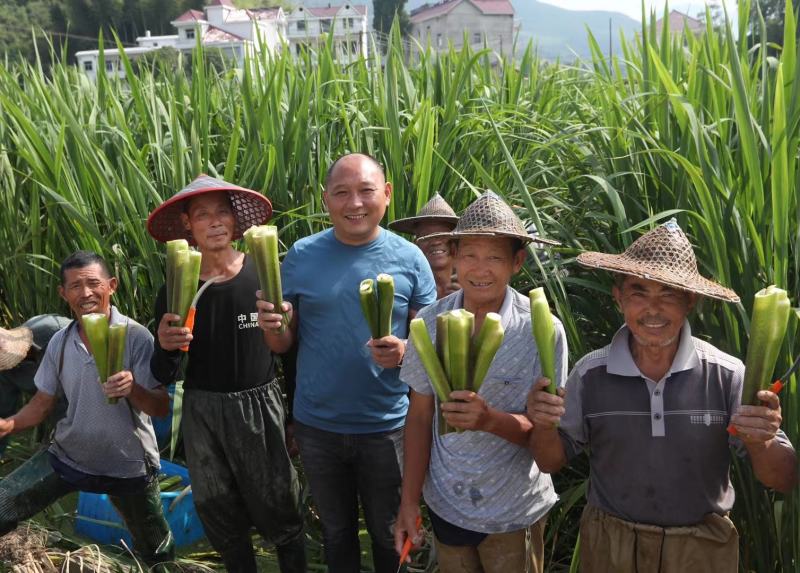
308 26
486 23
221 26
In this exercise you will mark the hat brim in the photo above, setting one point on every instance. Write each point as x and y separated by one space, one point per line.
16 343
618 264
454 235
409 224
249 208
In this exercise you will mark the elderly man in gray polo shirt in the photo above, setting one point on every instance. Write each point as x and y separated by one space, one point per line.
486 498
97 447
652 408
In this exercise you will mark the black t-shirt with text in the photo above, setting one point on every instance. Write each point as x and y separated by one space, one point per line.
228 352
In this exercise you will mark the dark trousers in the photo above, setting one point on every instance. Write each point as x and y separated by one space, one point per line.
242 476
341 470
35 485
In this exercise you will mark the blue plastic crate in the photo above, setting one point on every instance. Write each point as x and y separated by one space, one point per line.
94 508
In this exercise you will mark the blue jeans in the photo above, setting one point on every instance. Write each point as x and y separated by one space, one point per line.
342 469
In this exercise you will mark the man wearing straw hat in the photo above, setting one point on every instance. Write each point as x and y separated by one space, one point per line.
233 414
486 498
435 217
97 446
652 408
21 352
350 405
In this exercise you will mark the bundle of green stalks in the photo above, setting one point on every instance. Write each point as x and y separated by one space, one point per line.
262 242
106 344
460 360
377 303
183 277
544 333
771 310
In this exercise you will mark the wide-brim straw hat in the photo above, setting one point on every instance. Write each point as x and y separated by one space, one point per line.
664 255
249 208
489 216
14 346
437 210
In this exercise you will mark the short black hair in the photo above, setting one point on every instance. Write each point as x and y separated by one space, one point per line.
367 155
81 259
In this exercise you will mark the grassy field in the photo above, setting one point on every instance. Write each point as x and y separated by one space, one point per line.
705 129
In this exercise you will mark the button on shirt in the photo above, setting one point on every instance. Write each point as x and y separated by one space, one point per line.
477 480
658 448
96 437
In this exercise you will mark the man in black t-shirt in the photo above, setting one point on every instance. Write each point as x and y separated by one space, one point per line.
233 412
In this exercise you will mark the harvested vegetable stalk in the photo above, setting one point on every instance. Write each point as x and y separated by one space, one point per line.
369 306
427 356
771 309
117 334
95 326
187 278
377 304
262 241
486 345
459 338
385 304
544 333
173 247
442 348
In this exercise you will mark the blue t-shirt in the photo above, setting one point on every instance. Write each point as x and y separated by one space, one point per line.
339 387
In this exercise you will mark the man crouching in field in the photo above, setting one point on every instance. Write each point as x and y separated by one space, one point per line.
98 447
652 408
486 498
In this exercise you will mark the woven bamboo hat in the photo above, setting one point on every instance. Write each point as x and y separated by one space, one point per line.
663 255
14 346
249 208
437 210
489 216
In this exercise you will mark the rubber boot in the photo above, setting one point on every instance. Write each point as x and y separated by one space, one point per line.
292 555
144 517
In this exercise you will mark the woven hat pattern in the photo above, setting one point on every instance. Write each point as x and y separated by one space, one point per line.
14 346
490 216
249 207
435 210
664 255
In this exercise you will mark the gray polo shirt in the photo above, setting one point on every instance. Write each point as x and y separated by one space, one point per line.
96 437
477 480
658 448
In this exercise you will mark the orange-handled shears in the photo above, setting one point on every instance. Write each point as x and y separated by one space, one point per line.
775 387
189 323
408 544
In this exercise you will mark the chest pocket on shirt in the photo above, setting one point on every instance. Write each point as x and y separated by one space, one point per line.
507 393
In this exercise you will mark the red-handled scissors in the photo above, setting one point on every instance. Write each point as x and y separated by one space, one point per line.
775 387
193 307
408 544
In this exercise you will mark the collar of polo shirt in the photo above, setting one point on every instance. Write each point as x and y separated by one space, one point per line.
621 363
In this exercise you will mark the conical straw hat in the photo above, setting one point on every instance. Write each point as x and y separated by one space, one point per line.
249 208
489 216
437 210
663 255
14 346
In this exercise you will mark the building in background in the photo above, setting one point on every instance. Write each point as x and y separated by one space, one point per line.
488 23
680 22
233 32
307 26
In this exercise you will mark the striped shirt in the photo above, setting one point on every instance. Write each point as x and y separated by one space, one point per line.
477 480
658 450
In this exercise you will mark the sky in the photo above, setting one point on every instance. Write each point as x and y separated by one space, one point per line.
633 8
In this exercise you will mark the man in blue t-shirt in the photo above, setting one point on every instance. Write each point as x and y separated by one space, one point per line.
349 405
